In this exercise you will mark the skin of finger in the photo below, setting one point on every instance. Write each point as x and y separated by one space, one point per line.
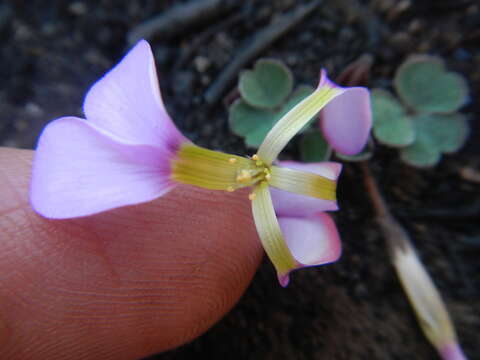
122 284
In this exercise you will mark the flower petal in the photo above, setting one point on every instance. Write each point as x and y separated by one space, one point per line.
346 120
80 170
452 351
304 183
269 231
427 303
312 240
208 169
292 204
127 101
292 122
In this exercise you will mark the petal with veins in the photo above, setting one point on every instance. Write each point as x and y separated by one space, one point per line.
293 121
127 102
292 204
346 120
80 170
270 233
312 240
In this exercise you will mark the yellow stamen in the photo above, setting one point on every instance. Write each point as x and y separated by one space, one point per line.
252 196
255 157
244 176
230 189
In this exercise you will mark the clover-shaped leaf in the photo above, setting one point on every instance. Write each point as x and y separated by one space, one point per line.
435 134
314 147
391 126
267 85
423 84
253 123
249 122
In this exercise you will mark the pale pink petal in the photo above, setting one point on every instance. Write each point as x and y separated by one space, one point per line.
127 101
347 119
291 204
312 240
452 351
80 170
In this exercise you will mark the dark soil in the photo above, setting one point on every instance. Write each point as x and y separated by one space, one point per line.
51 52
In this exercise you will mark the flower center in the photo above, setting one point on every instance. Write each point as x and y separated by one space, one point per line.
256 172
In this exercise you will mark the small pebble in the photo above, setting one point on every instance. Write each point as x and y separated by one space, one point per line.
78 8
201 63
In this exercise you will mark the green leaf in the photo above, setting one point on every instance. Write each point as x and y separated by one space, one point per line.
424 84
267 85
447 132
435 134
390 124
253 123
314 147
421 153
249 122
450 131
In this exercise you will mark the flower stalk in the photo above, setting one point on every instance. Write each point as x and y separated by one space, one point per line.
429 308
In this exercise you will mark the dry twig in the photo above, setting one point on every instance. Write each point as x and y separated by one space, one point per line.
179 18
256 45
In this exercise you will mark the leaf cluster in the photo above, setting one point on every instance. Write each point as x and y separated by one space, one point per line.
265 96
422 121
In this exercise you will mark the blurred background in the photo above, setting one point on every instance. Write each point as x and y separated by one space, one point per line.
51 52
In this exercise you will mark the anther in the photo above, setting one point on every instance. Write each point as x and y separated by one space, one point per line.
251 196
268 176
244 176
255 157
232 160
230 189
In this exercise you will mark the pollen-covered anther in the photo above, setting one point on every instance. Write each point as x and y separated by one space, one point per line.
244 176
252 196
255 157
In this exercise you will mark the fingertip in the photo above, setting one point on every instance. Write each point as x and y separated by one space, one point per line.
132 281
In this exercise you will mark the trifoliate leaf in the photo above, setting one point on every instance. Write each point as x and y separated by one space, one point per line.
448 132
249 122
253 123
390 124
435 134
267 85
314 147
422 153
425 85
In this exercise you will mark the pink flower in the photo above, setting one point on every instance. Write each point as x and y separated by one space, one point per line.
128 151
310 233
347 120
119 156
